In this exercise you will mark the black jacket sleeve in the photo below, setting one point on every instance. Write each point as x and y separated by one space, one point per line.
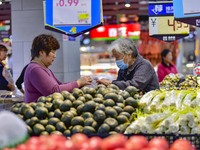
20 80
3 81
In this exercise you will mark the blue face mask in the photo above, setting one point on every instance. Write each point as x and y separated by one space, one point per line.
121 64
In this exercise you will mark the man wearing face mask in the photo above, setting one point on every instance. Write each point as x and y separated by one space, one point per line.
134 70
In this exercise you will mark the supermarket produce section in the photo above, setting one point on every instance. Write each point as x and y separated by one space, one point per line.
108 113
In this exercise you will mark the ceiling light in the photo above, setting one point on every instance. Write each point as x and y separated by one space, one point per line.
127 3
0 2
143 2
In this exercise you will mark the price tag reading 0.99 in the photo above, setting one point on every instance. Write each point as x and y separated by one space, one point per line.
72 12
67 3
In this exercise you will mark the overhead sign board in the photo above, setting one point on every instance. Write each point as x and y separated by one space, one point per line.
187 11
193 21
167 29
73 17
112 32
186 8
162 24
79 12
160 9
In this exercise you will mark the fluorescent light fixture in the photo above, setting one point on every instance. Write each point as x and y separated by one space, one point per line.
190 65
83 49
127 3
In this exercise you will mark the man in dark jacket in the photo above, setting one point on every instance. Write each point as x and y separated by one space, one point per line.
134 70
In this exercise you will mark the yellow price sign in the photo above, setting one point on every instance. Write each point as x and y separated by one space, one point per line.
83 16
167 25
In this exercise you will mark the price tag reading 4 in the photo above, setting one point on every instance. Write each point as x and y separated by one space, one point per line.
71 12
167 25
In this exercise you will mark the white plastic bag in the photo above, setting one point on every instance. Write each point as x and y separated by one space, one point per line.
12 129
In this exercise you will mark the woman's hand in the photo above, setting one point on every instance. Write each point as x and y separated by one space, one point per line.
11 86
104 81
86 80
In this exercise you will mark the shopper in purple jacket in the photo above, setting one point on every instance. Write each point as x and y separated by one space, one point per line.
39 80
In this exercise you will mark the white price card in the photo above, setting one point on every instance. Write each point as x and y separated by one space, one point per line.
72 12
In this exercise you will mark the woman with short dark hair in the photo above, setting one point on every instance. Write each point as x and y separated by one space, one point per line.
39 80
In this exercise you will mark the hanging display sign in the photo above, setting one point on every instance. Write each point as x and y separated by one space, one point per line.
79 12
186 8
73 17
165 9
5 29
167 29
112 32
187 11
193 21
162 24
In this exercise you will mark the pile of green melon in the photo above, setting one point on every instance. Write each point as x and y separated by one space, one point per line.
101 110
